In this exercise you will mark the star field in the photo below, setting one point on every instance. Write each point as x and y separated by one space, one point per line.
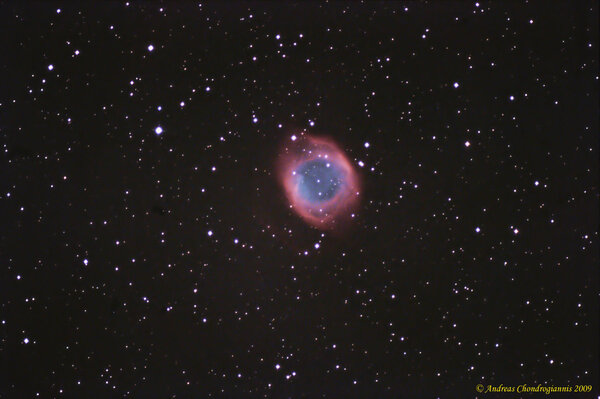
149 249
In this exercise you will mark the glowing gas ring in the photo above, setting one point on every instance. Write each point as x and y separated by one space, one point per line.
319 181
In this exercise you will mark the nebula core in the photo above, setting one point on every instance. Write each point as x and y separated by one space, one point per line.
319 181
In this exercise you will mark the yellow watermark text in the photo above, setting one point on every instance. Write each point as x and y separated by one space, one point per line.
525 388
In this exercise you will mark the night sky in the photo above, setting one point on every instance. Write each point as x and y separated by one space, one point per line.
148 248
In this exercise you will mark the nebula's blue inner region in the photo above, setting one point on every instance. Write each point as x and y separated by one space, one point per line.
318 180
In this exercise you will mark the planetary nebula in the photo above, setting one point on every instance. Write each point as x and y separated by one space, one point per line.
319 181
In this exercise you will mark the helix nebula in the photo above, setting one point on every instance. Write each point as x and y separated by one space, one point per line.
319 181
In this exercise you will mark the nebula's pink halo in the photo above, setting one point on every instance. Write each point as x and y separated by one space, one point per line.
328 213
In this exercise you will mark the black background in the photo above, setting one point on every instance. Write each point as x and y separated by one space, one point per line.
415 300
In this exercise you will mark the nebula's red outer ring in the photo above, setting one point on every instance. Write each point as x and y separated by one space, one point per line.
323 214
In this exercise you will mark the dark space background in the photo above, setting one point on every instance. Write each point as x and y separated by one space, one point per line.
145 265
